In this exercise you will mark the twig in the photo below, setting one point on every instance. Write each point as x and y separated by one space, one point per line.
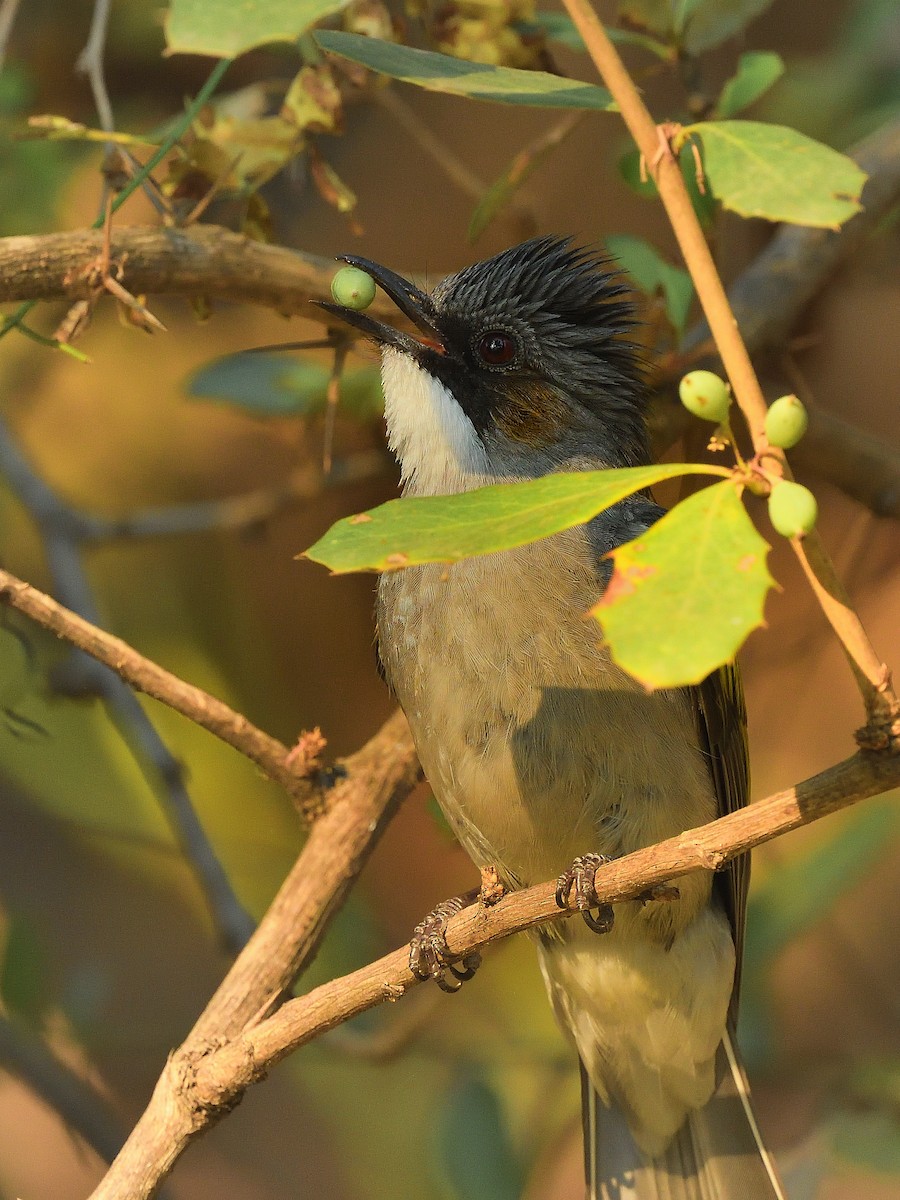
454 168
82 675
146 676
176 131
881 702
8 10
860 464
209 1073
90 63
379 776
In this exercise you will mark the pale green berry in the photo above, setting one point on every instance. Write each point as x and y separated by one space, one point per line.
786 422
353 288
792 508
705 395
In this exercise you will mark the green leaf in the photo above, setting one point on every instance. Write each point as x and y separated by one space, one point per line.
653 274
458 77
225 29
655 15
708 23
769 171
695 25
684 596
756 72
559 27
474 1148
271 385
422 529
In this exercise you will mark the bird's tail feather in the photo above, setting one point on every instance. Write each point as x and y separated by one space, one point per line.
716 1155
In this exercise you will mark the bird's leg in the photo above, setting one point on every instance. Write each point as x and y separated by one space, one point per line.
581 877
428 952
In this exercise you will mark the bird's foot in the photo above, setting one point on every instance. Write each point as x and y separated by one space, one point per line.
581 877
428 952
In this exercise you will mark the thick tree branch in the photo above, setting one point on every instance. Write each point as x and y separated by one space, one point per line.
204 260
225 1073
146 676
378 777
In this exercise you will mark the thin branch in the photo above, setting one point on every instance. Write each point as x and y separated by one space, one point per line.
226 1072
457 171
860 464
177 129
209 1073
8 11
81 675
882 704
146 676
90 63
238 514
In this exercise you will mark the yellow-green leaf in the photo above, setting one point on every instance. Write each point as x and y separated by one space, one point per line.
424 529
441 73
756 71
770 171
652 274
684 596
225 29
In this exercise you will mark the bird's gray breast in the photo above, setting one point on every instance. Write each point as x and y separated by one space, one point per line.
536 746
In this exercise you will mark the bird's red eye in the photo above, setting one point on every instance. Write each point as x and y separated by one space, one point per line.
496 348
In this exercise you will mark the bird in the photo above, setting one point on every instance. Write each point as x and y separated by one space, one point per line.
546 758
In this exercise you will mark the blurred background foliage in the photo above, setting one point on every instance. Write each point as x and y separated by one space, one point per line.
107 951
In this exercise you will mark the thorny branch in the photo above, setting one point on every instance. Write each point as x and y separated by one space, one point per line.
872 675
146 676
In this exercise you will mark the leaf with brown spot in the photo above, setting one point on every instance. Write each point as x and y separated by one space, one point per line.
684 596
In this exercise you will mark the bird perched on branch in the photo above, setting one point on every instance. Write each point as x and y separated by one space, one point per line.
545 757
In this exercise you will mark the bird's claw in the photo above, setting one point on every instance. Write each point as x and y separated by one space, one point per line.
428 952
581 877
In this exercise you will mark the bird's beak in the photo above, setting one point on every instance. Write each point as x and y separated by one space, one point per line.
415 305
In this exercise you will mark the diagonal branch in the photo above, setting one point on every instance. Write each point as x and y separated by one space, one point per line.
146 676
208 1075
871 674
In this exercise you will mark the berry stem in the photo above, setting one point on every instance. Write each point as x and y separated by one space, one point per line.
872 677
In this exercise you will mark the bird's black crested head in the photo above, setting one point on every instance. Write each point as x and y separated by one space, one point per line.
536 330
532 345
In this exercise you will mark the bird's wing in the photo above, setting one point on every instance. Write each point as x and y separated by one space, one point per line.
722 726
720 713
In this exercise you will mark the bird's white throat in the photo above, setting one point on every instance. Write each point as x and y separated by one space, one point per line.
434 441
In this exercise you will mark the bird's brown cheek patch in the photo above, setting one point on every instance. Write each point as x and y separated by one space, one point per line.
530 412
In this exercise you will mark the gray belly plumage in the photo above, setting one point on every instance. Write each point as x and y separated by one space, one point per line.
539 749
